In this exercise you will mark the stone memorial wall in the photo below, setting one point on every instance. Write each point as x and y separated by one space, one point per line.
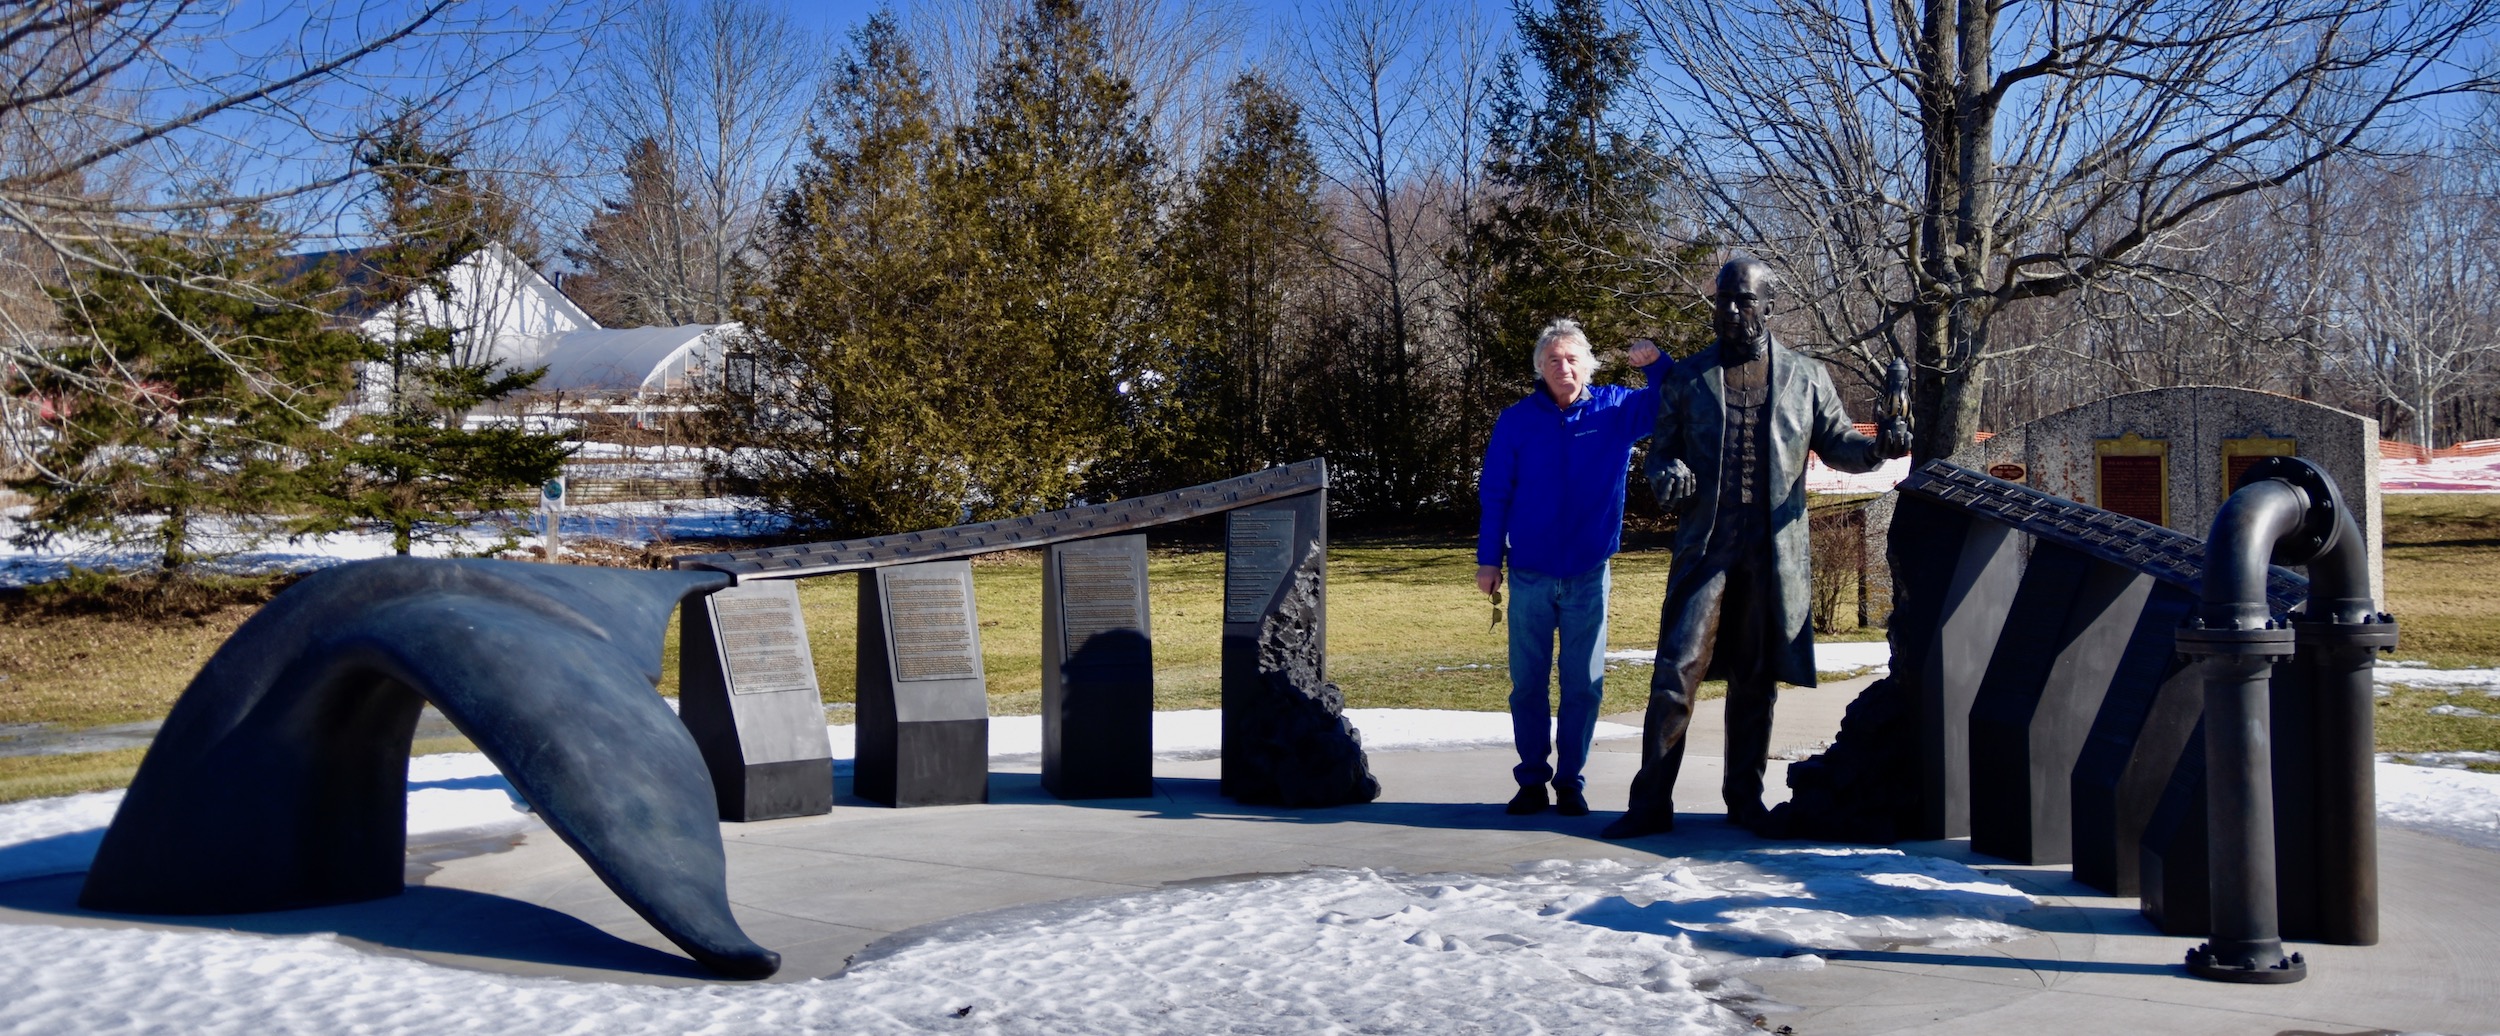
2171 456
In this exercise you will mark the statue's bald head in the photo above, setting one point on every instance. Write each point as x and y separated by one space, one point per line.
1746 274
1740 306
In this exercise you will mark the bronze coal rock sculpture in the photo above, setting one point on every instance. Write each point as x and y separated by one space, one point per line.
1302 751
279 780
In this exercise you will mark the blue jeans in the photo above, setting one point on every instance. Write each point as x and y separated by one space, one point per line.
1539 606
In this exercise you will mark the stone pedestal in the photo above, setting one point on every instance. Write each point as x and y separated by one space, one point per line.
924 728
747 692
1097 670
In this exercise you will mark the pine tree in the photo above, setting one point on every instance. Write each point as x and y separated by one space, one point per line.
1243 267
414 467
232 375
1575 230
856 417
1055 185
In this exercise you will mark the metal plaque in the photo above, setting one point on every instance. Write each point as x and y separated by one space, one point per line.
1099 591
2133 476
1258 549
763 641
930 616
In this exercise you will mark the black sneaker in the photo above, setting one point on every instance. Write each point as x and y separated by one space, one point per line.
1634 825
1531 799
1569 802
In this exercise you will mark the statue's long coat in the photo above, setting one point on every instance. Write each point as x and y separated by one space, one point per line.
1806 414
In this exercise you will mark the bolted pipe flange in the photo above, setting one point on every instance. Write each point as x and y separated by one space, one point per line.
2272 644
2317 531
2204 962
2378 633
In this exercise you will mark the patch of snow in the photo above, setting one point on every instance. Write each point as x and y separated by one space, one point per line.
1852 657
634 523
2416 675
1605 946
2452 803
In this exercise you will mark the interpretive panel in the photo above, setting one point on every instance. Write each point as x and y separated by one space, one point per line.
1257 550
2134 477
763 640
1101 586
747 692
923 704
1097 670
929 615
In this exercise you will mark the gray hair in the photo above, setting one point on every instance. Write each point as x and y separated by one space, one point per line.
1563 329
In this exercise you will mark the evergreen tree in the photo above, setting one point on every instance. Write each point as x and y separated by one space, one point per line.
232 374
1243 271
1575 229
1054 184
411 465
856 416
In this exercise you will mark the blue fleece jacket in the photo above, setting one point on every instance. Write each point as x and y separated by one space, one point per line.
1552 488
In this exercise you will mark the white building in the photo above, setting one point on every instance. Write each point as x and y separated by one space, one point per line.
510 313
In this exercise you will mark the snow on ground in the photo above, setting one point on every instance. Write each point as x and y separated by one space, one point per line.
1851 658
2420 676
635 522
1554 947
2433 792
1823 478
2463 474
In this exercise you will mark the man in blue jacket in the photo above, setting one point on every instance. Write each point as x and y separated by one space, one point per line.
1552 493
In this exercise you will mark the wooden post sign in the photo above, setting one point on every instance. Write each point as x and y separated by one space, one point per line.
747 692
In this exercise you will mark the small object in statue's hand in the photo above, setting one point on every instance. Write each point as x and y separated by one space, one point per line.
1497 613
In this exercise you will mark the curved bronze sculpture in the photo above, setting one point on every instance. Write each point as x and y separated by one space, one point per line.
279 780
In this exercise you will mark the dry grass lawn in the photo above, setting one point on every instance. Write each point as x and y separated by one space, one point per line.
1406 630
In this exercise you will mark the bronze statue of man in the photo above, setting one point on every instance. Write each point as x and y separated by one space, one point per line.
1729 456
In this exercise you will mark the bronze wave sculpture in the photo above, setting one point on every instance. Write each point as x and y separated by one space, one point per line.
279 780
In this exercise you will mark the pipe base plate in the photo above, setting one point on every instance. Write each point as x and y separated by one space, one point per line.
2202 963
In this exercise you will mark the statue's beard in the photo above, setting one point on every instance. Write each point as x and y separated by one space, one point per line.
1743 343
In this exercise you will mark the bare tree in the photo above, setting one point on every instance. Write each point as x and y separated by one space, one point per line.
2423 304
1374 77
122 118
1922 167
704 102
1178 55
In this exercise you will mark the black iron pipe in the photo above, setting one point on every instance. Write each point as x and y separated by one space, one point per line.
2339 636
2338 659
2236 641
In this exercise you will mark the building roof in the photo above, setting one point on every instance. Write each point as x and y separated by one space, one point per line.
617 360
360 293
